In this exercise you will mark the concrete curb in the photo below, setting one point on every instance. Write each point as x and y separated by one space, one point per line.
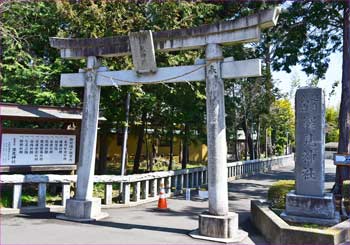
277 231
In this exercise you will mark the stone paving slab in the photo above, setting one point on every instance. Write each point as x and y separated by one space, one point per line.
143 224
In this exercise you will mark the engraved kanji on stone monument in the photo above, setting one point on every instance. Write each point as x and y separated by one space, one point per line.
308 203
310 140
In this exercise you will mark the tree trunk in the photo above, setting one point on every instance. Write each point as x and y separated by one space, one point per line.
153 156
185 150
148 156
244 127
235 142
258 140
343 172
245 147
249 144
266 144
141 133
171 150
102 156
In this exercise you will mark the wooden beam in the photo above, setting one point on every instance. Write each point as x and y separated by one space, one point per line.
230 69
244 29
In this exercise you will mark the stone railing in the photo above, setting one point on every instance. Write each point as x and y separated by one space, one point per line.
138 188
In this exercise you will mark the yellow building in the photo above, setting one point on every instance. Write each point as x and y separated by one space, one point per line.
197 151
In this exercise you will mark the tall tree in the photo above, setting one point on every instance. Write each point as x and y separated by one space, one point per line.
308 32
343 172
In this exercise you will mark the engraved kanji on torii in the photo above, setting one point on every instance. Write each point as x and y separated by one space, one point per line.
213 69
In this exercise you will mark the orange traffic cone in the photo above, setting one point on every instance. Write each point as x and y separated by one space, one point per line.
162 198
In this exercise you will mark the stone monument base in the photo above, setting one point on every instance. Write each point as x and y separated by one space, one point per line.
311 220
310 209
82 211
219 228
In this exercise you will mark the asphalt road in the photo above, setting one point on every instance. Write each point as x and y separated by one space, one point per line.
143 224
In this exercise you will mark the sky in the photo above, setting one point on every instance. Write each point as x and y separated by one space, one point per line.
334 73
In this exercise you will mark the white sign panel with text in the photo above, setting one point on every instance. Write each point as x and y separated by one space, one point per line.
37 149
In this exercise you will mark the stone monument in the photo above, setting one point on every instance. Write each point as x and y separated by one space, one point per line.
308 203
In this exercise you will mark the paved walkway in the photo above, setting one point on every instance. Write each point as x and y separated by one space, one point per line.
143 224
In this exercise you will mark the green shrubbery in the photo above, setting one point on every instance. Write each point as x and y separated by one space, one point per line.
278 191
29 196
346 190
5 198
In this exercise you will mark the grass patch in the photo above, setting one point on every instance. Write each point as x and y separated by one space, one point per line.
29 196
309 226
99 190
278 211
278 191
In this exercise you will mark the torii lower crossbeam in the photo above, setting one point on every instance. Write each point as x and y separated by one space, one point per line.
229 69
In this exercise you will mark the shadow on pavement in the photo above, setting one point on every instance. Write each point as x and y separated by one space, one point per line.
141 227
106 223
49 215
190 212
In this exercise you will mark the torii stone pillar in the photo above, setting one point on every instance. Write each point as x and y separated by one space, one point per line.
216 132
218 224
83 207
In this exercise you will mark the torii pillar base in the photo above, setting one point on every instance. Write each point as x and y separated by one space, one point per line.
83 210
219 228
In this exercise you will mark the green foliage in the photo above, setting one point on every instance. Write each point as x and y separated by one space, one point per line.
308 32
98 190
28 198
282 124
346 190
278 191
332 134
5 198
31 68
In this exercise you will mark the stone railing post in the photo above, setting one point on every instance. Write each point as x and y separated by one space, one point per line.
17 196
154 187
176 178
65 193
108 193
136 191
42 195
145 189
168 185
126 193
188 180
193 176
182 180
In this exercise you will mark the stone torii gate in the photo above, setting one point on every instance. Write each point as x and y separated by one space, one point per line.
218 223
